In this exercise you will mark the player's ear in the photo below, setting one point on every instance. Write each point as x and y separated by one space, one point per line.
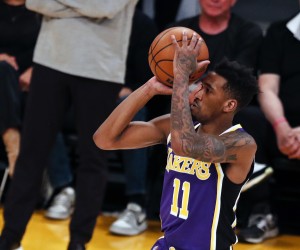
230 105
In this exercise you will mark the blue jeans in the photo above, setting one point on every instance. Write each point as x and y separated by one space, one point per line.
59 169
135 162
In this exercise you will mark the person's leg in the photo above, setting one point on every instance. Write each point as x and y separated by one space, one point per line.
135 165
43 116
93 102
10 115
61 180
59 167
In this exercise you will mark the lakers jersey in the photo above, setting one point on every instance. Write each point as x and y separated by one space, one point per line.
198 204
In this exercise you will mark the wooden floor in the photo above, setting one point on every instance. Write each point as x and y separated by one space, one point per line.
44 234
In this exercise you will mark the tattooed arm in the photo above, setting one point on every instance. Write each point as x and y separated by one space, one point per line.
185 63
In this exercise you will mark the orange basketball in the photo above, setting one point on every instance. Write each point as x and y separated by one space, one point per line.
161 55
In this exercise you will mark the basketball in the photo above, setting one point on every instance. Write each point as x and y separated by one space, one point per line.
161 55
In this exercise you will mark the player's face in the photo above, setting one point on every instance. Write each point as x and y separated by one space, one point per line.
216 8
207 98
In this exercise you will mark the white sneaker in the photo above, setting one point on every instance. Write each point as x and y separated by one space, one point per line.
131 222
62 205
260 227
18 248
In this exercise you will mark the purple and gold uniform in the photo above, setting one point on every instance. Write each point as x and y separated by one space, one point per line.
198 204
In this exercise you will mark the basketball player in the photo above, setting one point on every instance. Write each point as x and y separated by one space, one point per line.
209 160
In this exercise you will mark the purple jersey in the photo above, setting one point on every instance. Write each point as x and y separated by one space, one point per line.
198 204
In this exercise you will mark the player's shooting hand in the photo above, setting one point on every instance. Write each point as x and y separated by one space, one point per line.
185 59
157 87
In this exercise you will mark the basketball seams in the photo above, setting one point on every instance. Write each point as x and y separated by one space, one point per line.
163 60
158 40
163 48
162 70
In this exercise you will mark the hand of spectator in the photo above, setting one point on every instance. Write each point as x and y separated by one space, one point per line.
25 79
286 140
296 134
11 60
125 91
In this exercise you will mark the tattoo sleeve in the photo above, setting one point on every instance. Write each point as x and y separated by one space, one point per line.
182 128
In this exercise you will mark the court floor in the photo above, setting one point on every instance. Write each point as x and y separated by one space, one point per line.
44 234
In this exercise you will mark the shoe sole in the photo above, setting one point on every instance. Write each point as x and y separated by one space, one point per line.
55 216
271 234
128 232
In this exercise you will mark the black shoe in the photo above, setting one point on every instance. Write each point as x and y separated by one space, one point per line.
75 246
4 245
260 227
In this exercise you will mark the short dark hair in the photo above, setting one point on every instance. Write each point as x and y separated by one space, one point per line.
241 82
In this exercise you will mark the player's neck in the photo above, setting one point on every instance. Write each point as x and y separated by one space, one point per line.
213 25
216 127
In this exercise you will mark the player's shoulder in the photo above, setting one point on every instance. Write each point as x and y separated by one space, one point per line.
239 138
246 139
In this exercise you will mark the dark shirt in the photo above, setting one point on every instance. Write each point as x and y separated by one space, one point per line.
143 33
19 29
281 55
241 41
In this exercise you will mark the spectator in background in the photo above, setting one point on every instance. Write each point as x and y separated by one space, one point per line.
80 56
279 82
279 99
135 161
19 28
225 33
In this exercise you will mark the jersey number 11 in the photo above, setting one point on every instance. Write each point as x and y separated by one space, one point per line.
183 211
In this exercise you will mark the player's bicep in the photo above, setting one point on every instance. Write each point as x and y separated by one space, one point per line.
238 170
238 147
